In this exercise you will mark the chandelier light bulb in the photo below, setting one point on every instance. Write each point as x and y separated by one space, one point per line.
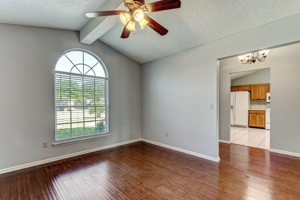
241 58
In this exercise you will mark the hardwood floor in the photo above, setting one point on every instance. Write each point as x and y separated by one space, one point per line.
144 171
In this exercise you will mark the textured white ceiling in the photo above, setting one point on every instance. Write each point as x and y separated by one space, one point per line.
199 22
64 14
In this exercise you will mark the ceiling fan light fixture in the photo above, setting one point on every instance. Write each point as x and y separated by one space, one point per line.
143 23
131 26
125 17
138 15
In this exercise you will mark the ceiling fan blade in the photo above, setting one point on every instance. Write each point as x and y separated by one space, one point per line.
162 5
103 13
126 32
156 26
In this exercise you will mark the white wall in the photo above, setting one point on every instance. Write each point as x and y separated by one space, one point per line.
284 66
28 56
178 90
255 78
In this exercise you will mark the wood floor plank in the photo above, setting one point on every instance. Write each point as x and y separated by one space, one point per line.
143 171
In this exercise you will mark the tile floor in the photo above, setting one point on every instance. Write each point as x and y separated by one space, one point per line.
253 137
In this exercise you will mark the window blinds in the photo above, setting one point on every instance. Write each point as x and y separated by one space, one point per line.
81 107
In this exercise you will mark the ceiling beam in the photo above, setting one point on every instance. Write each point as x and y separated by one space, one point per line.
97 27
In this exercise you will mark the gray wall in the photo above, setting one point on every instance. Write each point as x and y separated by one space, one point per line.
178 90
177 102
285 106
285 110
255 78
28 56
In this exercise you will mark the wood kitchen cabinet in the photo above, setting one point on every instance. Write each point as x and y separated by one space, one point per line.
254 92
258 91
235 88
257 118
245 88
241 88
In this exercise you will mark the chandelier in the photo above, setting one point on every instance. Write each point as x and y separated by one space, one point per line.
251 58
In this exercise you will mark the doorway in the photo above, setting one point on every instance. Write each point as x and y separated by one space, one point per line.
249 91
250 110
283 110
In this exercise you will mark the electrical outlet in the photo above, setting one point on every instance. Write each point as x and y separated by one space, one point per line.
45 145
211 106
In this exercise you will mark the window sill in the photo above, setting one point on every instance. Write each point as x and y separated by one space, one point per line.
79 139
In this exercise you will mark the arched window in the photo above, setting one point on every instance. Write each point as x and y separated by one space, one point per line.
81 96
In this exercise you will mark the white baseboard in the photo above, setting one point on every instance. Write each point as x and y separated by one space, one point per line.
285 152
49 160
183 150
225 141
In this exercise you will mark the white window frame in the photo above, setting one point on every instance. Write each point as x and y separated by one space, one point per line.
107 107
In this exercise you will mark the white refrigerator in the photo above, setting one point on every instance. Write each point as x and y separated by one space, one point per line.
240 104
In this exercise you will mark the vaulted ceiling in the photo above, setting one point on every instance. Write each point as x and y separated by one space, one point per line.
198 22
62 14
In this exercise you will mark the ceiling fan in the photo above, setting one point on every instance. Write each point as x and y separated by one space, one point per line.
136 13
